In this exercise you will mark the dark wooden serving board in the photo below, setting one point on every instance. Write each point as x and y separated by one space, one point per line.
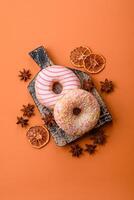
41 57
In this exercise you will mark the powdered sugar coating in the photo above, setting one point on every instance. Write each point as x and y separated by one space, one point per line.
77 124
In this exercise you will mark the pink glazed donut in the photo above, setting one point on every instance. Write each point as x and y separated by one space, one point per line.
77 112
47 79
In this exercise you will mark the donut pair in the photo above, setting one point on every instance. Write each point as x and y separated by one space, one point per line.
76 111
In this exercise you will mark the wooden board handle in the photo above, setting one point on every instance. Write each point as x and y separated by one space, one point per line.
40 56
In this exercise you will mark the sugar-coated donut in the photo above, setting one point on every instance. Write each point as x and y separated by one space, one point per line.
54 74
77 112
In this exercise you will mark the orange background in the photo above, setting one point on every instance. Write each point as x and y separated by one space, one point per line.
52 173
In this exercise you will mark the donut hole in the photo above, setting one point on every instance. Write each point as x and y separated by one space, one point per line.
57 87
76 111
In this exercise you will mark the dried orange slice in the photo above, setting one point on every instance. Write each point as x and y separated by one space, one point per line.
94 63
78 55
38 136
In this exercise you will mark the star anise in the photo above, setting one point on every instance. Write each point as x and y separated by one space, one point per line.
48 119
28 110
22 121
25 75
107 86
76 150
88 85
90 148
99 137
